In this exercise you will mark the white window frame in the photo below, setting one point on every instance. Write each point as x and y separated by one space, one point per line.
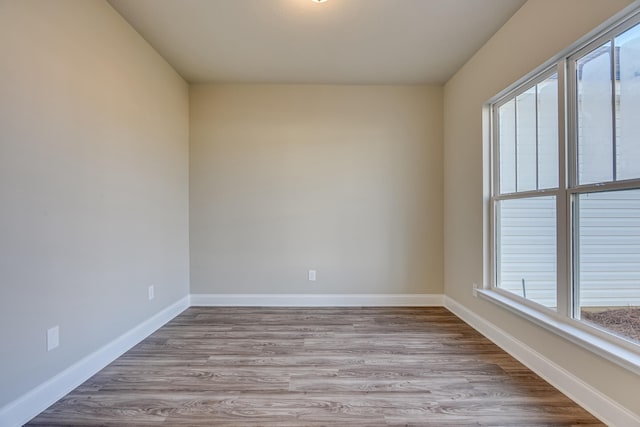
564 320
557 192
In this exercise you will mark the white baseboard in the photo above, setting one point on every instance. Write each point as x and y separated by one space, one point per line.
40 398
601 406
318 300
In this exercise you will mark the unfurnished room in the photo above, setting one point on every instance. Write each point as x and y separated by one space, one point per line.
320 212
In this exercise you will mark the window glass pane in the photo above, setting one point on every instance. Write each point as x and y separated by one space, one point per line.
527 248
507 149
628 104
526 153
548 133
595 147
608 260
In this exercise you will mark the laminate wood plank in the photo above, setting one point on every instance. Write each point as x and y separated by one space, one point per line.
280 366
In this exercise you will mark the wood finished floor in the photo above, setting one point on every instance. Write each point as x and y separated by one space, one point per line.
315 366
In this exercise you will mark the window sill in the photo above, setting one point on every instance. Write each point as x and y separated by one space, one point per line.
624 354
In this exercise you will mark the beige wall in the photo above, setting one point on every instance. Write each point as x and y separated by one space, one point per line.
346 180
93 184
536 32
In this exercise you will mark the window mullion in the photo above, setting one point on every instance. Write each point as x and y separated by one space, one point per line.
563 219
570 120
613 109
515 139
537 142
495 187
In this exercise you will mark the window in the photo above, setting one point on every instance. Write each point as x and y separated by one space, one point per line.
565 201
527 190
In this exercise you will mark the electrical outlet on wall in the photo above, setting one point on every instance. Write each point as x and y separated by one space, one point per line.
151 292
312 275
53 337
475 289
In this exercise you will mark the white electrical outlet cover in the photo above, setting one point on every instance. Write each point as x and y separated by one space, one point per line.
312 275
152 292
53 338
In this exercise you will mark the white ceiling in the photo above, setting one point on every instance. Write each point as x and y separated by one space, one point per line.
299 41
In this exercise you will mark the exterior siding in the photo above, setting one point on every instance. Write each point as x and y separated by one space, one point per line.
609 248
